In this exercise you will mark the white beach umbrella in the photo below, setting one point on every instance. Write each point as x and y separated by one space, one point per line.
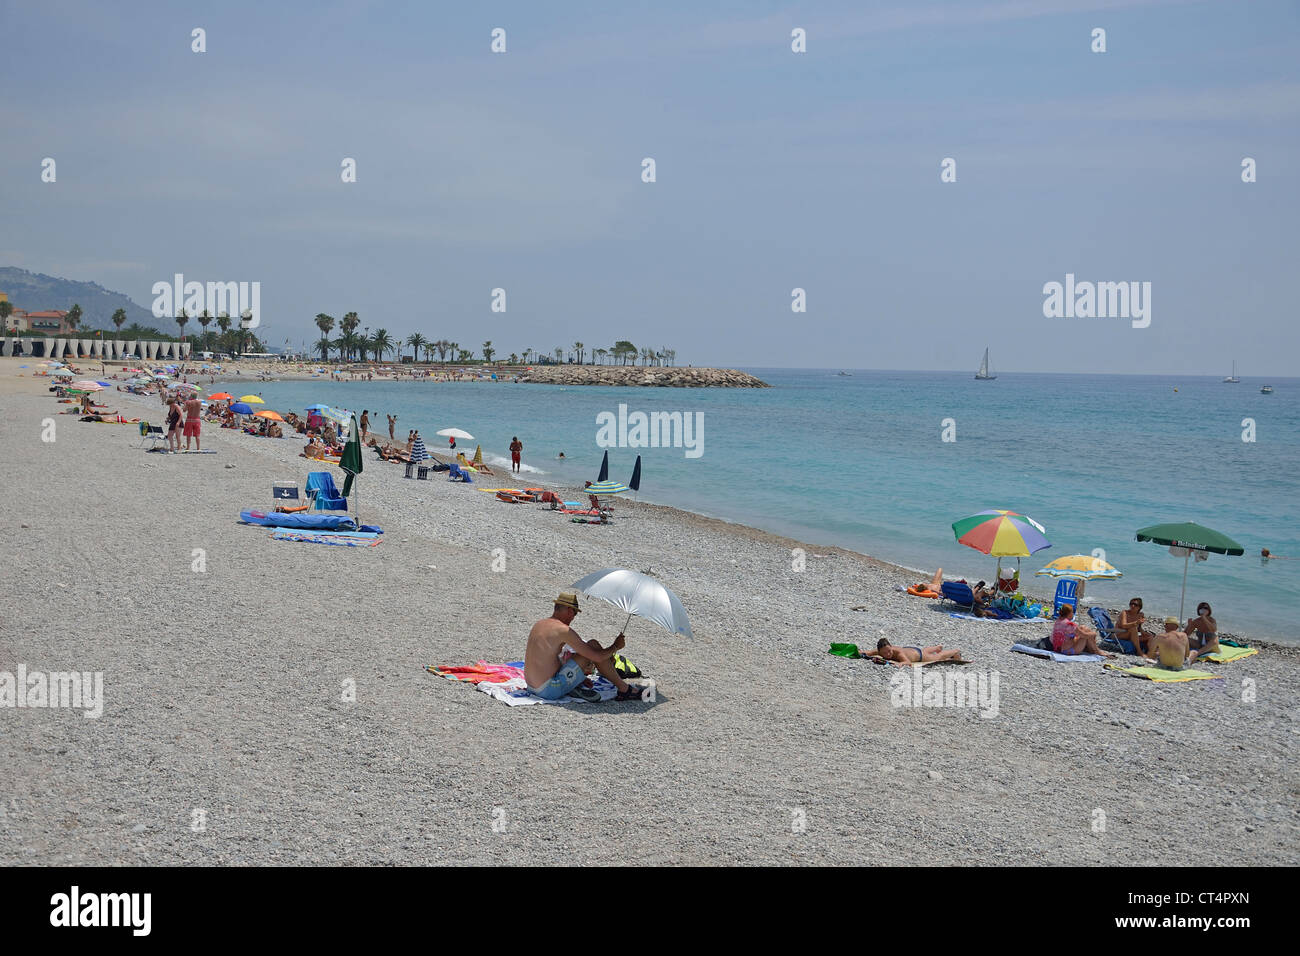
639 595
456 433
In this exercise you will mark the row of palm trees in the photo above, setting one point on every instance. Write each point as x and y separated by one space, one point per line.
349 345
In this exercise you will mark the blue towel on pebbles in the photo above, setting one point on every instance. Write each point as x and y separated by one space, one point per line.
1059 658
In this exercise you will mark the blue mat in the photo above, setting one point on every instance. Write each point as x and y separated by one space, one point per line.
1059 658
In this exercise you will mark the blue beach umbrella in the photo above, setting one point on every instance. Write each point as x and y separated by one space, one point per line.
242 408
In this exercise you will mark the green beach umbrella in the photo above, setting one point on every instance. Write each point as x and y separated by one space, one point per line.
1189 537
350 462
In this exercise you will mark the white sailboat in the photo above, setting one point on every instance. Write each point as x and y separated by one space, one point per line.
1232 379
983 374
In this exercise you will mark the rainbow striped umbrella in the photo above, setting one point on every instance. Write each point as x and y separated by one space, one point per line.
1001 534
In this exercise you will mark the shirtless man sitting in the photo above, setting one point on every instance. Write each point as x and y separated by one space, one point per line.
552 673
1169 650
905 656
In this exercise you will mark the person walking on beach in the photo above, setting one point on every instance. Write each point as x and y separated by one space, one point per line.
193 411
516 449
174 426
392 423
555 654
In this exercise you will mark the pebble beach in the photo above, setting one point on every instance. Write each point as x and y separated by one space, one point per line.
228 657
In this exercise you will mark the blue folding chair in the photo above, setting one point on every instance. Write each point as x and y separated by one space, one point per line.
958 593
1067 592
459 474
323 493
1106 632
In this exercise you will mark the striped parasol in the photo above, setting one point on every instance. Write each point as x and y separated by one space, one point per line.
1001 534
418 451
606 488
1085 567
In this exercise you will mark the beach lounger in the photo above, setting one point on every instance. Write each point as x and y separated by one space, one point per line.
958 593
1106 632
323 494
1066 593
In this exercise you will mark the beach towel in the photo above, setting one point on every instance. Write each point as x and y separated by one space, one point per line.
997 620
505 682
1227 654
1162 676
346 539
1058 658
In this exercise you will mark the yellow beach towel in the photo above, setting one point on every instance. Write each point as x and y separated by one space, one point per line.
1160 675
1226 654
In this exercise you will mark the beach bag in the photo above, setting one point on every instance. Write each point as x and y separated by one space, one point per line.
626 669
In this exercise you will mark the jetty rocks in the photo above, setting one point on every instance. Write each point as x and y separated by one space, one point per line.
665 376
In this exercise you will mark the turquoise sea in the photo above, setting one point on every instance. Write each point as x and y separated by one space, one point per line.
858 461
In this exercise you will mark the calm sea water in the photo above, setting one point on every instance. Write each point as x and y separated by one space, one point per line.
859 461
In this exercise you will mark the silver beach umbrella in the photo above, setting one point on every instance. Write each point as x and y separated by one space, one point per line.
637 594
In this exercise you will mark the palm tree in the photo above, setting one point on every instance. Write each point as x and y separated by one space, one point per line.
488 351
559 355
578 347
429 348
181 318
73 317
382 343
323 322
118 318
205 319
599 356
465 355
415 340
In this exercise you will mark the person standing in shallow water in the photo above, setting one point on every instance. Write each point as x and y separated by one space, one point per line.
365 423
516 450
392 423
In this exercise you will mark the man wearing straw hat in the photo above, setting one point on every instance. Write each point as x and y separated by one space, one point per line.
556 655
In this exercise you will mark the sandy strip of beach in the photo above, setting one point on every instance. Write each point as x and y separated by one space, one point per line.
226 656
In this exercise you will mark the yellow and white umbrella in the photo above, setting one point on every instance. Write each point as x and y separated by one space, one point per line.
1085 567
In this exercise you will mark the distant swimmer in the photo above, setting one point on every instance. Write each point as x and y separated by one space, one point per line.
1265 555
561 455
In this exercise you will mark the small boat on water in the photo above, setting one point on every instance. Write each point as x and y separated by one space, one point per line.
1232 379
984 375
849 374
1266 390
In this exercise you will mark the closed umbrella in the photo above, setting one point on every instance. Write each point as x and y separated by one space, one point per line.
418 452
604 468
637 594
1188 538
352 464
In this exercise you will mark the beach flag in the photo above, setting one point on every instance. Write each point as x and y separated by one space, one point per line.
604 468
635 481
351 460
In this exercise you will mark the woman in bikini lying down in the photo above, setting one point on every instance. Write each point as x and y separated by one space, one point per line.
904 656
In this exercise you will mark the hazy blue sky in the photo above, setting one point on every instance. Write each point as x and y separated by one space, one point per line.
775 170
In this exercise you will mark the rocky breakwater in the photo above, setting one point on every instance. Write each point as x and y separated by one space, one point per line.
659 375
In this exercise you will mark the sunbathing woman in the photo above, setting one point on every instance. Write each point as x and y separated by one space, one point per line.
1202 633
1129 626
1070 638
904 656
